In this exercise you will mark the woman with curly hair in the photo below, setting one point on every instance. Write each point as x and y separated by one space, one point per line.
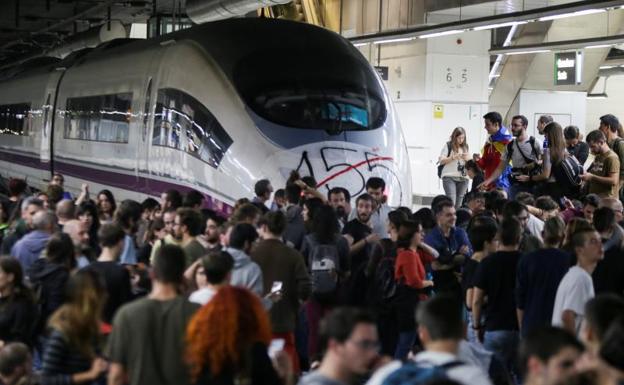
227 342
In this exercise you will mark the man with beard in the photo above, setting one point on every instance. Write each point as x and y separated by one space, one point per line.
212 235
361 237
168 219
375 188
79 233
186 227
340 200
524 153
127 217
452 244
359 232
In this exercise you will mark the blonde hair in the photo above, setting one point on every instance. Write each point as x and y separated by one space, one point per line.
457 132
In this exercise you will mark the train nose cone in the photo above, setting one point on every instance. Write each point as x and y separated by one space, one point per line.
342 164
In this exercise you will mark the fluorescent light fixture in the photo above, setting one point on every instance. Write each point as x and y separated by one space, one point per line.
359 44
397 40
605 67
443 33
602 95
572 14
598 46
528 52
495 76
501 25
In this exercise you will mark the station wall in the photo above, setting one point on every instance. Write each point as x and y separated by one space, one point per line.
436 85
610 105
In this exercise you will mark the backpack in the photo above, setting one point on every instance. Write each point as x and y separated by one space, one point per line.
567 174
419 373
385 283
441 166
323 267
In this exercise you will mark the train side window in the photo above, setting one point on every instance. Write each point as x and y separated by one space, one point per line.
101 118
15 119
203 136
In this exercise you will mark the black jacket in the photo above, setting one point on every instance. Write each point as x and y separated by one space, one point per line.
18 316
48 281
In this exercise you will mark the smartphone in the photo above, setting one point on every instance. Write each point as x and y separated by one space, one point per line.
277 286
277 345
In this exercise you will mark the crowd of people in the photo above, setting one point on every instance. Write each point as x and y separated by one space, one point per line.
517 281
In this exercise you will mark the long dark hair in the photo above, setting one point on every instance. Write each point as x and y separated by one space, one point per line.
556 143
10 265
406 232
111 199
325 224
60 250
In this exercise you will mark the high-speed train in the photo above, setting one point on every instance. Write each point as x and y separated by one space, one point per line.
212 108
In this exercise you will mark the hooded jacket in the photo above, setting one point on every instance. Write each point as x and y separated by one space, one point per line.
295 229
246 273
51 279
28 249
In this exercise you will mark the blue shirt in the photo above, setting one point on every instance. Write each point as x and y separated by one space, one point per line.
447 247
128 255
537 279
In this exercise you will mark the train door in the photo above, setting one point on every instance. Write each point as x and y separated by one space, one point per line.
144 136
49 111
150 88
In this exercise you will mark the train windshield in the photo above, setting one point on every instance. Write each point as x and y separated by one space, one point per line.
337 93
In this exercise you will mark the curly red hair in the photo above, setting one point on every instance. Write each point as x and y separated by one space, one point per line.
220 332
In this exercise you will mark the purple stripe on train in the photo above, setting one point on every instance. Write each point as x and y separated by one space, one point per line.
133 183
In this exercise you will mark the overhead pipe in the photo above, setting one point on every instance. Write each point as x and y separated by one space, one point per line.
203 11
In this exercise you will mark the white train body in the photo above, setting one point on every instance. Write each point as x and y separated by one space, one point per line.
213 108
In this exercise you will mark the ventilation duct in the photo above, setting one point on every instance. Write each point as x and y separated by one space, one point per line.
203 11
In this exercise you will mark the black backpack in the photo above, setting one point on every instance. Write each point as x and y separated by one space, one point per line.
441 166
384 282
567 174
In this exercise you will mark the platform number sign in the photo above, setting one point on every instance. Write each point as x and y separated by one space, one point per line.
455 77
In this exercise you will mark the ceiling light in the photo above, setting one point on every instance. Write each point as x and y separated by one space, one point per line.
397 40
359 44
444 33
528 52
598 46
501 25
605 67
572 14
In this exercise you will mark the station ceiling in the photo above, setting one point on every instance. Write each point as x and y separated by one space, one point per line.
31 26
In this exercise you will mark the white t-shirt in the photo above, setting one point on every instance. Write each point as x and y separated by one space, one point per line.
535 226
202 296
451 168
575 289
464 374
